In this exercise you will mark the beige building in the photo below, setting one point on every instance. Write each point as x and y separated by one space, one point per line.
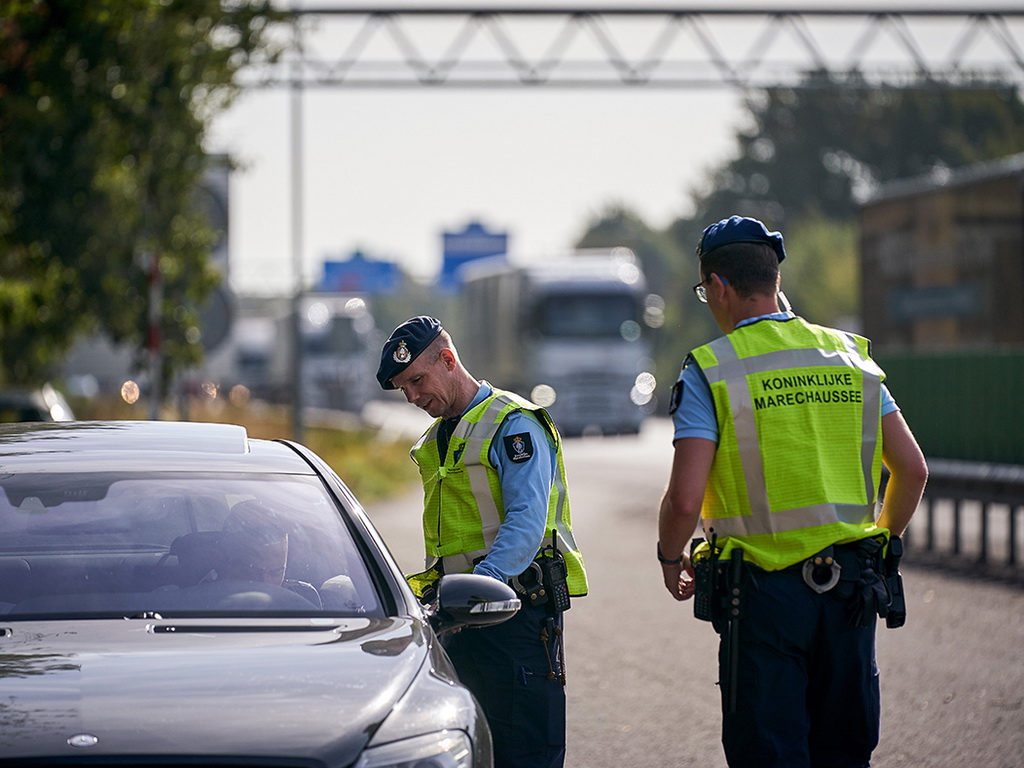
942 259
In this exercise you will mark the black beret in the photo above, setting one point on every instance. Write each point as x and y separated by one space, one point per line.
740 229
404 345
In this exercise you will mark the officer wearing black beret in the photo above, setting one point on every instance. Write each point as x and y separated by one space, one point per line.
781 430
504 513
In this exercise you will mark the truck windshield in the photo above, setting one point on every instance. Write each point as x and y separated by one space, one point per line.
339 337
585 315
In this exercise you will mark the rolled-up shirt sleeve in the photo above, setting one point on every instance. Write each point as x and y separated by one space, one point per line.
693 409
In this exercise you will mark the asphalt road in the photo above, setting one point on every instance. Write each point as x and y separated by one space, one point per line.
641 669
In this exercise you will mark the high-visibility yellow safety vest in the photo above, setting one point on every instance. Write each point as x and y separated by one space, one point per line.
799 453
463 506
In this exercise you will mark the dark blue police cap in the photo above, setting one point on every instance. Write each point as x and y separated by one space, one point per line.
740 229
404 345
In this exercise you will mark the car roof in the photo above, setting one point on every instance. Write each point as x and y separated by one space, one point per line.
129 446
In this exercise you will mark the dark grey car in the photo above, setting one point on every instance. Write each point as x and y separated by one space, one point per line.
175 592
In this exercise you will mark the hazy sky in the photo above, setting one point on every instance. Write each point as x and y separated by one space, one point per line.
388 171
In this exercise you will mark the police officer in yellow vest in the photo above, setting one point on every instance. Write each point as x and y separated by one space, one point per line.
495 503
781 429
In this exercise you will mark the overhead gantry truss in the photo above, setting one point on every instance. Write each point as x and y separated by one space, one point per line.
652 47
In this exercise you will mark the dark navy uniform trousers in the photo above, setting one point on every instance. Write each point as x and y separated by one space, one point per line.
808 693
507 668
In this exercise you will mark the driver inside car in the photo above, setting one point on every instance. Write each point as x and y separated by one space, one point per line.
255 546
245 564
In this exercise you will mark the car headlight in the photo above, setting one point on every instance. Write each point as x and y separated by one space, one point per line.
444 749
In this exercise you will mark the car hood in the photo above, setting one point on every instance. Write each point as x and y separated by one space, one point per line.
286 688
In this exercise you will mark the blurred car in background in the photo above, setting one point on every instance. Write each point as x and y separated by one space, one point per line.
43 404
179 592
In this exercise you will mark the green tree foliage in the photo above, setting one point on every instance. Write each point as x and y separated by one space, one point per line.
816 149
103 110
822 280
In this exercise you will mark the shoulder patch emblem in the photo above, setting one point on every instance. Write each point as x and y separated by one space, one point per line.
519 447
677 396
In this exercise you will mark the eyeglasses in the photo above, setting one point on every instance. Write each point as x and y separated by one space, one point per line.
701 291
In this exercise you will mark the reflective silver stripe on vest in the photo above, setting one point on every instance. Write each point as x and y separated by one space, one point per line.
476 436
566 540
791 519
733 370
462 562
870 412
430 434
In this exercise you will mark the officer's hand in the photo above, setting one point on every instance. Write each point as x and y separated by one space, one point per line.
679 578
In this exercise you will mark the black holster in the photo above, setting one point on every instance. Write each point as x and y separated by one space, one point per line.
718 598
871 582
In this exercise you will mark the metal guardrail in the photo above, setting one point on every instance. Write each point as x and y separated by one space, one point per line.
969 519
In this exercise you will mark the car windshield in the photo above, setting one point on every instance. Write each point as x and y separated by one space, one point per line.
174 545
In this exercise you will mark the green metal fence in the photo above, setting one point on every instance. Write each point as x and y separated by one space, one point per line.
966 405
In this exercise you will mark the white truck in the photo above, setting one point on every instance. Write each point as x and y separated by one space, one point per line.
340 344
569 333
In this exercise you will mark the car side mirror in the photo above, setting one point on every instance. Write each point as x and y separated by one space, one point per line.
471 600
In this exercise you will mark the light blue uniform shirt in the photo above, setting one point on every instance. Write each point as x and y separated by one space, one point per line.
694 415
525 488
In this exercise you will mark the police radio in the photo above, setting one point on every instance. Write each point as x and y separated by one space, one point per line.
545 581
705 572
555 576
